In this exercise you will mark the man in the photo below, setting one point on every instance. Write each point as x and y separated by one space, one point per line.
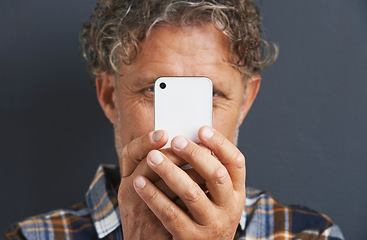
129 44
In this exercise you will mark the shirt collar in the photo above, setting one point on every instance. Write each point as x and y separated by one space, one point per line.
102 202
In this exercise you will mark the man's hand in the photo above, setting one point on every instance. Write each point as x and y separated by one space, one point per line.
212 216
138 221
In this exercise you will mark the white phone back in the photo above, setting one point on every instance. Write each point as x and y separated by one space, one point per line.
183 106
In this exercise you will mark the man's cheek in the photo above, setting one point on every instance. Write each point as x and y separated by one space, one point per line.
224 124
137 124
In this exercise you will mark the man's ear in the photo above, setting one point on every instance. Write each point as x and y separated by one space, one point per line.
105 86
251 89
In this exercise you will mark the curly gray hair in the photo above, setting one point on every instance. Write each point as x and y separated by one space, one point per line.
116 28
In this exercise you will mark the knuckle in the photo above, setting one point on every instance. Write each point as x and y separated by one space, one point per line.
221 176
127 152
169 212
220 145
195 152
153 195
219 140
193 194
131 150
169 170
239 159
144 140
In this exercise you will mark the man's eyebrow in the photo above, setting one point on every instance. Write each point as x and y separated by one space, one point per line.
143 81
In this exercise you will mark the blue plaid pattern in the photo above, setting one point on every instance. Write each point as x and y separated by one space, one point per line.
99 218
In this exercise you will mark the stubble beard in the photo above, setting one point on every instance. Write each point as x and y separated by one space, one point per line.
117 130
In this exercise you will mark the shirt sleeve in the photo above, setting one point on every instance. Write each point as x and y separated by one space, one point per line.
332 233
14 233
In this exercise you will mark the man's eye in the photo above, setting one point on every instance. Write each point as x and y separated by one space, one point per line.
215 94
151 89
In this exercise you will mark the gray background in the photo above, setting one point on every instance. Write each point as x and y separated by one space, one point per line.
304 139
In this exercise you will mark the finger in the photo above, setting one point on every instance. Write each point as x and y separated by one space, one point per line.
182 185
195 176
161 185
134 152
173 218
217 178
143 169
229 155
173 157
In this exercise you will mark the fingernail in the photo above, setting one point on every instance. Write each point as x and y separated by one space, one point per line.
156 157
140 183
157 135
207 133
180 142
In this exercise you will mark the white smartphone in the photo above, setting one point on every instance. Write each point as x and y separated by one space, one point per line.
182 105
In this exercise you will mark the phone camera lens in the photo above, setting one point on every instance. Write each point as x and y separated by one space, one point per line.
162 85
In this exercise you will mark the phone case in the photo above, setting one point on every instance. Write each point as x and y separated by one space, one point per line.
182 105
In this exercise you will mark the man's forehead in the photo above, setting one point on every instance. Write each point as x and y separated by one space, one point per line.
181 51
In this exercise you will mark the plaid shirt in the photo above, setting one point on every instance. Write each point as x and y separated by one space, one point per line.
99 218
